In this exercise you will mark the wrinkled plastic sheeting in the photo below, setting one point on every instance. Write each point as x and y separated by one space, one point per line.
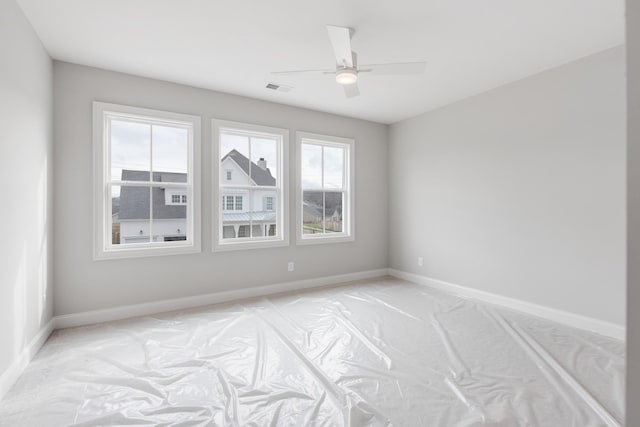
382 352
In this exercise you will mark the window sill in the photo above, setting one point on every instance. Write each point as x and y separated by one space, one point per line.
325 240
125 253
241 246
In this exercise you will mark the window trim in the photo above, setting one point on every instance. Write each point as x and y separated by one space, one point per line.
103 250
348 188
216 200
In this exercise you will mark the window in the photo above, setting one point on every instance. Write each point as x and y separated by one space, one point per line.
174 196
230 203
268 203
325 189
145 179
257 156
243 231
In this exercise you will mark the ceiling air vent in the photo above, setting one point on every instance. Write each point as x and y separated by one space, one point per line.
279 88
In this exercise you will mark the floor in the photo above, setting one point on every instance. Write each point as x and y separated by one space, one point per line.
377 352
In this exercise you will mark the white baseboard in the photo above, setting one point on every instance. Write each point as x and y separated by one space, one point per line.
565 317
9 377
135 310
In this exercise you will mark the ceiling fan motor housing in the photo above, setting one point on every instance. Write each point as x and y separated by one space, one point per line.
346 76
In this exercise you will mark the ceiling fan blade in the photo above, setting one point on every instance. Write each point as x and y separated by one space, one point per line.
351 90
394 68
341 41
299 72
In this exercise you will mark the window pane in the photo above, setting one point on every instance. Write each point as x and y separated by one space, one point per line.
312 208
170 153
229 203
333 167
169 220
333 212
234 159
243 231
130 210
264 159
228 232
130 151
311 166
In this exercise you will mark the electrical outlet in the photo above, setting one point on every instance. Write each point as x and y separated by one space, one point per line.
290 266
420 261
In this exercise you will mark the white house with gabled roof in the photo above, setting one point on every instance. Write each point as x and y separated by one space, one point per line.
243 210
247 212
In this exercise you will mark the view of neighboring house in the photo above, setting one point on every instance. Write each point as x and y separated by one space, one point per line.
169 209
312 213
241 207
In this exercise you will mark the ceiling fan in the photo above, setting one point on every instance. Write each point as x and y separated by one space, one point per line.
347 69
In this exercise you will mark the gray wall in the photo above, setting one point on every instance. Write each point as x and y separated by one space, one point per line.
520 191
633 186
83 284
26 175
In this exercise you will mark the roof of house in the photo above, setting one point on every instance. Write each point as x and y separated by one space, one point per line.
258 216
258 175
312 203
134 201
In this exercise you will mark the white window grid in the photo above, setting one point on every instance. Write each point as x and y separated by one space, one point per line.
348 200
104 248
281 237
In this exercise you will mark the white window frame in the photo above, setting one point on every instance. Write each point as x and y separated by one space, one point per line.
282 187
103 113
348 220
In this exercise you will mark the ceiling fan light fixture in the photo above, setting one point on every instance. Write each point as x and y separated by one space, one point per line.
346 76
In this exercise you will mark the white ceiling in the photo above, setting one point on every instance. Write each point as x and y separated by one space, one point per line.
232 45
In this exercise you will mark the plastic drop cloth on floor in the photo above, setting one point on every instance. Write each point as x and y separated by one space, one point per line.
378 352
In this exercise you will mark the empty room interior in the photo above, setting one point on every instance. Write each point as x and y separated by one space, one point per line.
338 213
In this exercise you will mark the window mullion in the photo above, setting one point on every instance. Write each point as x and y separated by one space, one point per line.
322 169
324 209
182 185
150 183
250 212
108 224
